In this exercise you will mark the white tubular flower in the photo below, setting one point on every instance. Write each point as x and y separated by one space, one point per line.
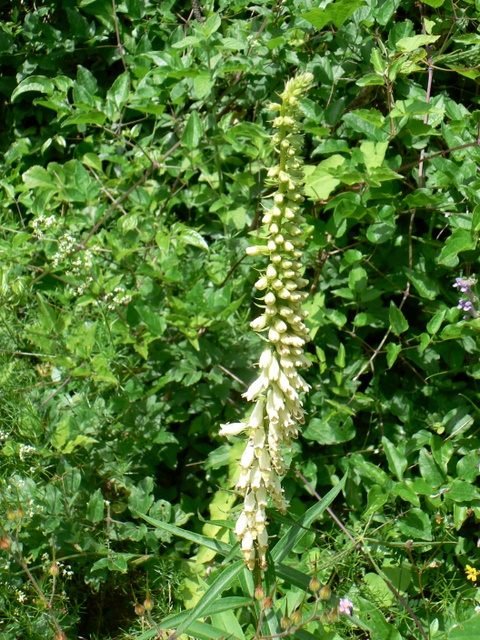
278 410
232 429
256 388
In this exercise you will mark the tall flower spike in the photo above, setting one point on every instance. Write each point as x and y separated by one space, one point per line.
278 409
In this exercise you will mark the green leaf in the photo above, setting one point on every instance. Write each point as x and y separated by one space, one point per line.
398 322
319 182
466 630
336 12
373 153
461 491
426 287
416 525
299 529
392 350
118 92
460 240
193 238
96 507
135 8
210 26
332 429
37 176
436 322
380 232
397 461
210 543
222 581
186 42
192 134
370 79
410 44
85 117
34 83
357 279
203 84
429 469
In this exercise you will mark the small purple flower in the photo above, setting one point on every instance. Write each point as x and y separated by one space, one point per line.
345 606
465 284
465 305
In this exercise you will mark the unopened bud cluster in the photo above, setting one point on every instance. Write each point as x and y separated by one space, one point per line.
278 410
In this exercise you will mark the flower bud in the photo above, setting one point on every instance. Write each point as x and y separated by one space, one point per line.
297 617
261 284
259 323
314 584
139 609
54 571
285 622
259 592
5 543
325 593
333 616
148 603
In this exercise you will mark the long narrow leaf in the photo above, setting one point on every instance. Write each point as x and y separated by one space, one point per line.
203 607
296 531
176 619
220 547
293 577
200 630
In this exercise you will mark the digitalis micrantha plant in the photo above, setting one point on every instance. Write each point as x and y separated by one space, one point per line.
278 410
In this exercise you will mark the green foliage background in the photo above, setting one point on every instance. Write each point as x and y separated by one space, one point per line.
135 144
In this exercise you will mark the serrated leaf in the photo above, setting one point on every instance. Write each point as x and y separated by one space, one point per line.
398 322
192 134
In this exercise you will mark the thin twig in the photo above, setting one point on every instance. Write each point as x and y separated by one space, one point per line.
64 384
117 33
232 375
421 177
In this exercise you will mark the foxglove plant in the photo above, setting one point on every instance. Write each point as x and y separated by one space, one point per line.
278 410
